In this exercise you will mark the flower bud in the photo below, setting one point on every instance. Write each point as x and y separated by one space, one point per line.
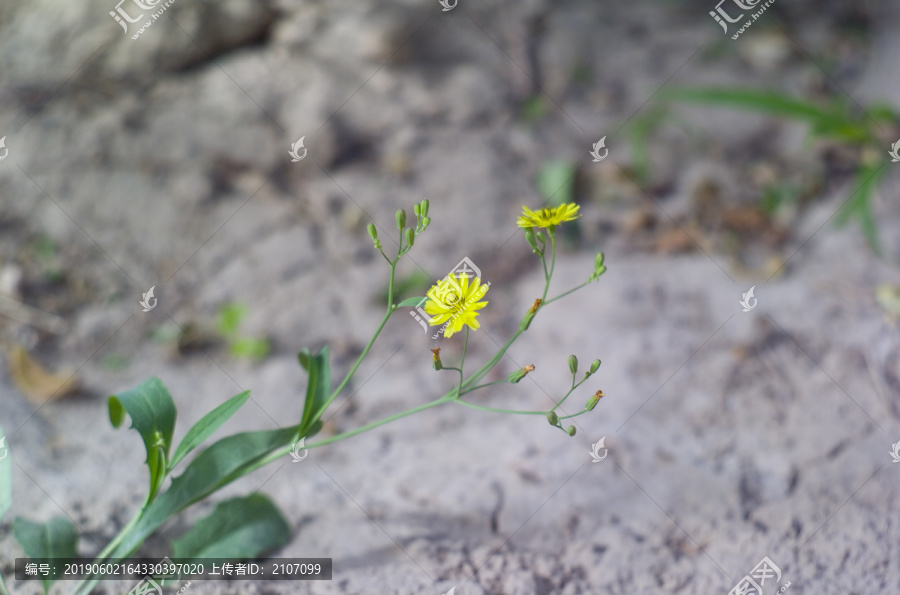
592 402
424 204
573 364
436 357
410 236
373 231
552 418
518 375
526 322
571 431
417 209
595 366
426 220
401 219
529 237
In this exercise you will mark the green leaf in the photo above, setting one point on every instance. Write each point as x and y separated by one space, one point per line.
860 204
230 318
768 102
317 390
250 347
208 424
57 539
5 476
220 464
411 302
238 529
152 413
556 182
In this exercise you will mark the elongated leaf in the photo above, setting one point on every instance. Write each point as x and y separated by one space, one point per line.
57 539
411 302
208 424
751 99
5 475
317 390
238 529
220 464
860 204
152 413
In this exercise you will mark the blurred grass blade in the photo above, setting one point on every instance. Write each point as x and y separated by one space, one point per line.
208 424
556 182
218 465
238 529
317 390
768 102
860 204
57 539
5 487
152 413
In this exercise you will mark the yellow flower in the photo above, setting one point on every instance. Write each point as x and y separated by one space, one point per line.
549 217
455 301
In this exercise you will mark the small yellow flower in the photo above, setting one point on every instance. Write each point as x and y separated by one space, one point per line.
549 217
455 301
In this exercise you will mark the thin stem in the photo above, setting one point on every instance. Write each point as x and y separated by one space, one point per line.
3 590
380 422
552 264
574 386
110 547
474 388
390 310
491 362
495 410
574 414
462 362
562 295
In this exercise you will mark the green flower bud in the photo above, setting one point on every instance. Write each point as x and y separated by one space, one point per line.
436 359
410 236
518 375
417 209
426 221
378 244
595 366
373 231
529 237
571 431
540 237
401 219
573 364
593 400
552 418
424 204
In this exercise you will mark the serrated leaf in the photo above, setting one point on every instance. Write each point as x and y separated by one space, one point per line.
318 388
411 302
208 424
238 529
152 413
57 539
215 467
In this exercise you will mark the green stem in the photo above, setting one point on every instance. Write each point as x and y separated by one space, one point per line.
390 310
462 363
474 388
88 582
562 295
380 422
491 363
574 386
3 590
574 414
495 410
